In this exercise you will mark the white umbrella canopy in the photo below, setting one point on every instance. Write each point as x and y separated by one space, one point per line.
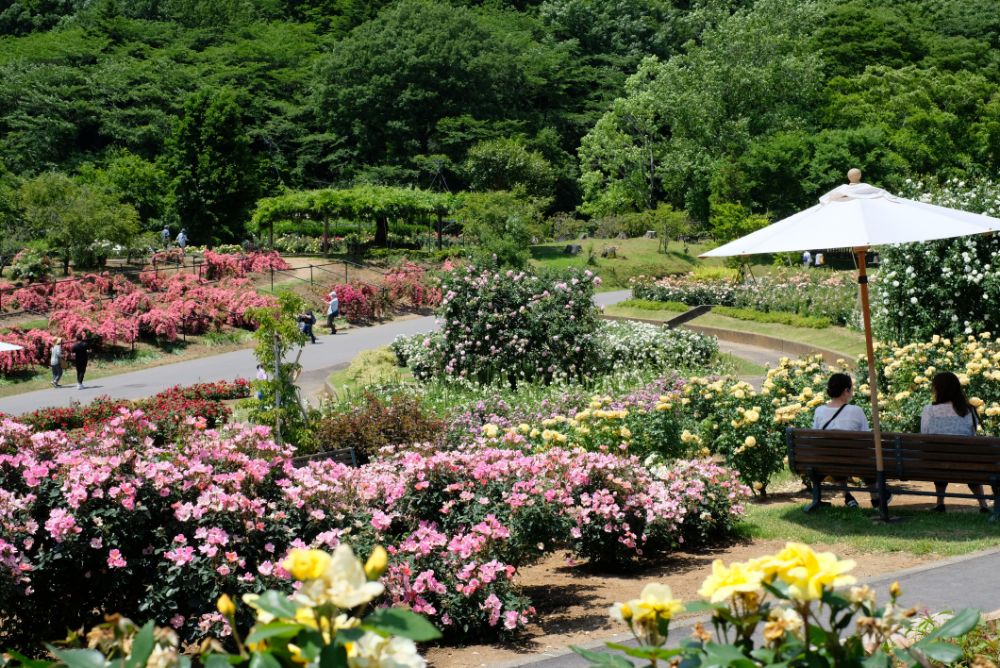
9 347
859 216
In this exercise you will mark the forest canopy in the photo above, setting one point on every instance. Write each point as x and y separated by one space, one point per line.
187 112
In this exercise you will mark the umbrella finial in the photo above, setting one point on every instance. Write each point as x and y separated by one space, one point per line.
854 175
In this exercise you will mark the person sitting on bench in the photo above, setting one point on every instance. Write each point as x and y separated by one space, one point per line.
951 413
841 415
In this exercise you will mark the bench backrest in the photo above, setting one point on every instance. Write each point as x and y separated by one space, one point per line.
834 452
964 459
925 457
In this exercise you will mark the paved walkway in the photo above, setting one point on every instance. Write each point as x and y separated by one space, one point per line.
330 353
953 584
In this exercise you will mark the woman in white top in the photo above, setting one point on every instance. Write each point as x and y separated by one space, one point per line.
840 414
951 413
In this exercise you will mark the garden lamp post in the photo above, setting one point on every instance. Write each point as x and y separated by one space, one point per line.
859 216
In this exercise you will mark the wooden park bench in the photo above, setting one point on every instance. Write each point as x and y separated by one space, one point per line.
964 460
345 456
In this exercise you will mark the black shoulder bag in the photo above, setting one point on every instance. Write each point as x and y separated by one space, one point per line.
842 407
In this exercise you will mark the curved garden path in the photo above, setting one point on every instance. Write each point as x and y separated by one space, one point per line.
318 361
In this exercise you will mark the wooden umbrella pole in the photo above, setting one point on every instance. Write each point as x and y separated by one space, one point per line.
866 316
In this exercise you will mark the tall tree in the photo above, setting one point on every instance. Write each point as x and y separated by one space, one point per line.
71 217
214 173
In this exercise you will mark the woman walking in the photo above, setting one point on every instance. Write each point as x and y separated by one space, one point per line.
80 350
332 311
951 413
55 361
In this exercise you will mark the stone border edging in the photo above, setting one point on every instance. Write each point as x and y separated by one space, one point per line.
773 343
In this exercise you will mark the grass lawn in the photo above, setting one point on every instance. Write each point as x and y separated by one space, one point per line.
921 532
369 367
737 366
840 339
623 311
635 257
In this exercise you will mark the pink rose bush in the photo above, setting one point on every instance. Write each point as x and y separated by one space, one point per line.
108 520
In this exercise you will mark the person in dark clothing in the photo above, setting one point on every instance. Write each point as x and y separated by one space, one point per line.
81 350
306 322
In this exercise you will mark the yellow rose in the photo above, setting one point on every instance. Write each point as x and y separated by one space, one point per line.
490 430
738 578
377 563
306 564
750 441
225 606
808 573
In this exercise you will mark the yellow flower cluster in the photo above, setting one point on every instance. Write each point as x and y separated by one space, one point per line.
806 573
656 603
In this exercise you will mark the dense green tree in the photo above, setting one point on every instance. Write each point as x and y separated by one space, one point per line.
751 75
506 164
388 86
213 171
501 224
71 217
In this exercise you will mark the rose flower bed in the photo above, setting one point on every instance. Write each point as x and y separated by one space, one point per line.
105 520
167 409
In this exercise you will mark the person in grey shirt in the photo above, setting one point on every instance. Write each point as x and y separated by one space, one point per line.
951 413
840 414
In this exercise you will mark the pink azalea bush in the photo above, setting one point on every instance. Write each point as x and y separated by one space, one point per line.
117 311
108 520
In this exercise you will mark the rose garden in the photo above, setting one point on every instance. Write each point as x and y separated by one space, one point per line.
526 425
454 333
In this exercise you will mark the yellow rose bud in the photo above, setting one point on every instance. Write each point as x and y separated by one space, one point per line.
306 564
226 606
894 589
377 563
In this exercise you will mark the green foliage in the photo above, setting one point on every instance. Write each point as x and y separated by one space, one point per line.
73 218
505 164
277 336
502 224
213 169
732 221
790 319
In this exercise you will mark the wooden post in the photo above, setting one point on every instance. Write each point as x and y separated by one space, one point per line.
866 316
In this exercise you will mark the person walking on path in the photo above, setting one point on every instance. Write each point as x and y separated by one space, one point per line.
306 322
261 375
55 361
81 351
840 414
806 259
182 239
165 234
951 413
332 311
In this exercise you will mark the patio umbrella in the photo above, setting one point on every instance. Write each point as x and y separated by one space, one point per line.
9 347
859 216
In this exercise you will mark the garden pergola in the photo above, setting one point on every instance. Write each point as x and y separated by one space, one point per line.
859 216
374 203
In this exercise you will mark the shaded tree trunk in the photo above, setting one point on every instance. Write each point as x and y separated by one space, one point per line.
382 230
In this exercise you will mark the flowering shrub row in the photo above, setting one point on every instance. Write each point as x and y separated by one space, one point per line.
223 265
115 310
960 277
168 409
618 346
407 285
831 295
90 518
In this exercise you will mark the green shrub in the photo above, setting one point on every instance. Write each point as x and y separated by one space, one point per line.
779 317
374 423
